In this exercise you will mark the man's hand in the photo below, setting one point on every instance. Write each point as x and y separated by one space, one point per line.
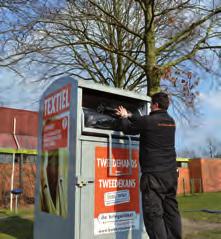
122 112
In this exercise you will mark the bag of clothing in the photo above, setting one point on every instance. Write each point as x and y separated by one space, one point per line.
102 118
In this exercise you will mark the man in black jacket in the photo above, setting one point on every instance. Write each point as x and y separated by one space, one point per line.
157 158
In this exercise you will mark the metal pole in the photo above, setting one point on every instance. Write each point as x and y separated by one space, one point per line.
12 180
13 162
16 203
21 171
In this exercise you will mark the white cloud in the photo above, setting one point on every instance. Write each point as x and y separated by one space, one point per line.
18 93
211 101
207 126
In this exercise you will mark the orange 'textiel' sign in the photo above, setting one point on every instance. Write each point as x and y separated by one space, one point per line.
57 102
116 197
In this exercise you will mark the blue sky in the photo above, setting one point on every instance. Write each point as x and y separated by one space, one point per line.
17 93
207 124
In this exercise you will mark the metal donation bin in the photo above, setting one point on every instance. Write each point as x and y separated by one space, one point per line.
87 170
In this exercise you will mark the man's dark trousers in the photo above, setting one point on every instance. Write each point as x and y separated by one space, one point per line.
160 208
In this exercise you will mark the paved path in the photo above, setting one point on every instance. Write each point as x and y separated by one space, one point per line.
192 226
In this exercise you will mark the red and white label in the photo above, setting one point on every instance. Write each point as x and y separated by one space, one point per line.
57 102
116 197
56 119
55 134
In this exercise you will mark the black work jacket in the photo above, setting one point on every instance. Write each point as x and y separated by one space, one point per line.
157 140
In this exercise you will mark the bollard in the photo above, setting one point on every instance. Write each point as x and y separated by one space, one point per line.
192 186
200 185
16 193
184 188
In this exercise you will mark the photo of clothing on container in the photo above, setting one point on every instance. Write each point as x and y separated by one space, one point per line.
53 187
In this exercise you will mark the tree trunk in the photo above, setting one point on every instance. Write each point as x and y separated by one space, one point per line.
151 70
119 46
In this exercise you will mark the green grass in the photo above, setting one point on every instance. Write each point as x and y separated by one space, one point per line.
16 226
210 201
196 202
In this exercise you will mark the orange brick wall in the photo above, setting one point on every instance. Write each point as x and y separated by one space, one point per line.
211 174
183 181
195 168
209 171
203 175
5 177
29 173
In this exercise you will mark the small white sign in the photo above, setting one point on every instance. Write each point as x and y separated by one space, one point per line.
116 197
116 222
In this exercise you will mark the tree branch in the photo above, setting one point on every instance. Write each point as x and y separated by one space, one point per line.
181 36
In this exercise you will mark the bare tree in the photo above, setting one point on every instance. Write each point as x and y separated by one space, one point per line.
12 4
187 153
212 147
132 44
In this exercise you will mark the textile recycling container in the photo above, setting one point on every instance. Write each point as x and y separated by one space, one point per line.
87 182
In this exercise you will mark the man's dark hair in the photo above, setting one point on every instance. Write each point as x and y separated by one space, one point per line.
162 99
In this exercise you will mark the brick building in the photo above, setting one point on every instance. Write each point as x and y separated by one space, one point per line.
199 175
18 143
